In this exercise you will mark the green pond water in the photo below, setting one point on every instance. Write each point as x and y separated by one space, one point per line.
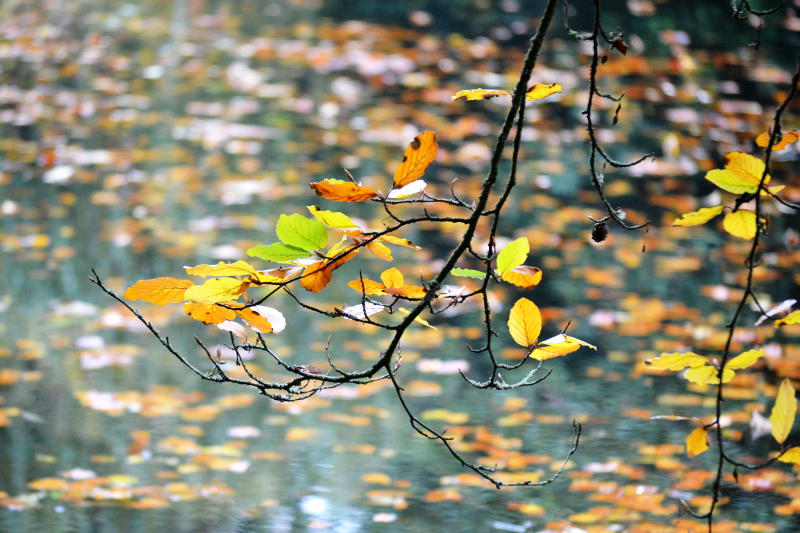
136 138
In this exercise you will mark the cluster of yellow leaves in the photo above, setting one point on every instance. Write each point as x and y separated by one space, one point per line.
700 370
215 300
525 325
742 175
418 155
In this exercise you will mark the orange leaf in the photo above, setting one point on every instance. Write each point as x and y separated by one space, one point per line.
525 322
523 276
782 142
368 287
409 291
254 320
419 154
208 313
159 291
316 276
342 191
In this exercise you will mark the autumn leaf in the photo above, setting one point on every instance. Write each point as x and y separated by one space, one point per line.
512 255
239 268
331 219
392 278
255 320
523 276
741 223
342 191
745 359
367 286
417 319
479 94
216 290
791 318
677 361
159 291
697 442
541 90
701 216
708 375
316 276
301 232
558 346
380 250
783 140
792 455
525 322
783 412
418 155
742 174
209 313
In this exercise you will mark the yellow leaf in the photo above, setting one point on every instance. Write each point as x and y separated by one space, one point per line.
701 216
542 353
479 94
380 250
741 223
784 140
541 90
417 319
677 361
392 278
216 290
331 219
342 191
708 375
525 322
418 155
558 346
209 313
792 455
513 255
745 359
742 173
791 318
697 442
783 412
239 268
159 291
523 276
391 239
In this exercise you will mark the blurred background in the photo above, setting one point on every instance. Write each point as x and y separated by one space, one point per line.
136 138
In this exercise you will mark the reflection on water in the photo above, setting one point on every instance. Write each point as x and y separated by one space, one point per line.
137 138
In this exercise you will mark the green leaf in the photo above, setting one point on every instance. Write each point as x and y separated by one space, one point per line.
277 252
301 232
513 255
468 273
